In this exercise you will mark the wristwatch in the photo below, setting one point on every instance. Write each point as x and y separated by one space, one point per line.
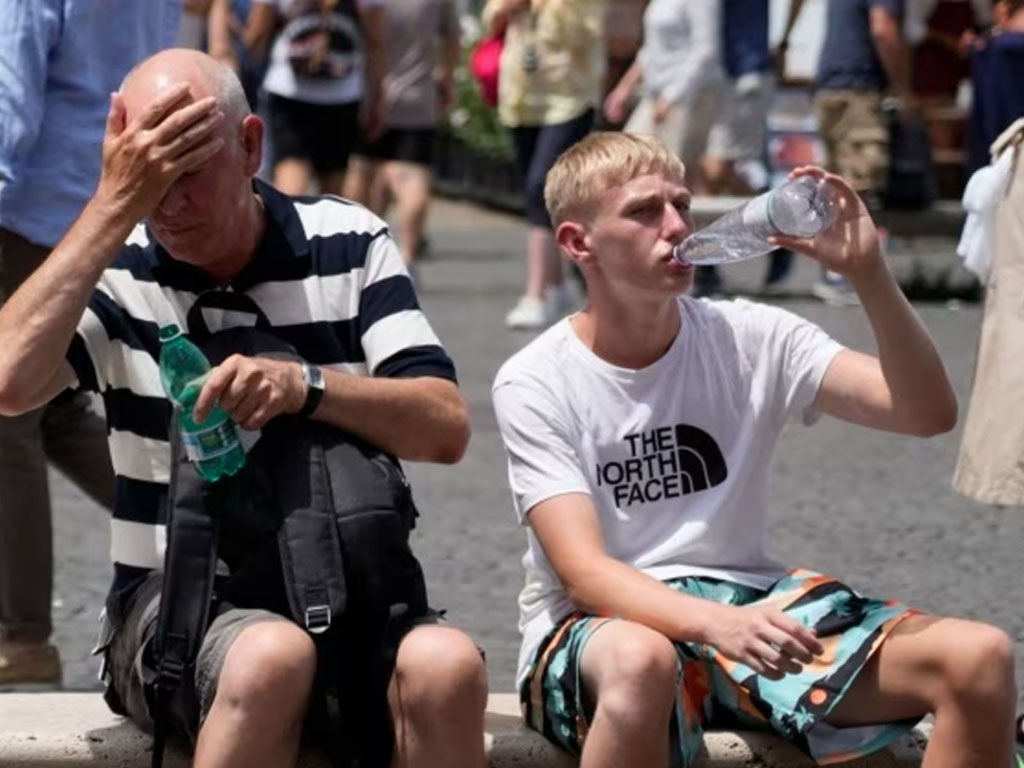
314 378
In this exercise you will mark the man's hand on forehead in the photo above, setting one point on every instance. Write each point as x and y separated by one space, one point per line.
161 101
143 154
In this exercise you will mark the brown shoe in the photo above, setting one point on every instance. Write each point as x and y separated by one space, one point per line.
35 663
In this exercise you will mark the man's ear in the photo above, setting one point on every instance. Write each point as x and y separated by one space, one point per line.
252 143
574 240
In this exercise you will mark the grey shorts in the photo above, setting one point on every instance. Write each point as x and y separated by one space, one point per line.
125 652
124 670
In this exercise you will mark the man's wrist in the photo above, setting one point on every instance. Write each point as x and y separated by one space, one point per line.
111 211
111 220
313 389
704 621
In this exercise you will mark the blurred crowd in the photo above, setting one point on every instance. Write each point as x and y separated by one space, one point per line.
908 95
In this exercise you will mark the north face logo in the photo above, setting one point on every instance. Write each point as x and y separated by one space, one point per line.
664 463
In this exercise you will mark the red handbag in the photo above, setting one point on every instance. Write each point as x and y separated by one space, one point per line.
485 65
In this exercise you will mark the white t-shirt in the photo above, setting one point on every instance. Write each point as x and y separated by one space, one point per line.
674 456
344 72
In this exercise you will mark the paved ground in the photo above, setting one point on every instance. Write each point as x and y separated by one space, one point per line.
876 508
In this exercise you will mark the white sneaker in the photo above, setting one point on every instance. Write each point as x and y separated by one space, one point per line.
834 290
528 314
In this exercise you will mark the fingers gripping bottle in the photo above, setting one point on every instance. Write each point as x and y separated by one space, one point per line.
212 446
802 207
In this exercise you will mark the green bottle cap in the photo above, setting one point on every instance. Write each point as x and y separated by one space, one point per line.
169 332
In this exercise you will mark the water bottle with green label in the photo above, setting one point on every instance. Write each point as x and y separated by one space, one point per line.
212 446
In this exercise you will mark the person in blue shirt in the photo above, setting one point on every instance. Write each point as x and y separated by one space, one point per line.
864 57
997 67
59 62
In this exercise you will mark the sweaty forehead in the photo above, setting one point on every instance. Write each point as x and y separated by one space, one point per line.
146 84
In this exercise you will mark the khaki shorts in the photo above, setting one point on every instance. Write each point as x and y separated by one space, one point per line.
855 135
129 646
127 655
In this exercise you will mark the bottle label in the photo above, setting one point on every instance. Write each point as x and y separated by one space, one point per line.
209 443
757 212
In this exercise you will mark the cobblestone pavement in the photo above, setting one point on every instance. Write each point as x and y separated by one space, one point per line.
875 508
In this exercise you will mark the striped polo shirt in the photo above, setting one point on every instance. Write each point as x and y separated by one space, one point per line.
328 278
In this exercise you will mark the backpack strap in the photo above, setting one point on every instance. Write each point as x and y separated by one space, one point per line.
192 532
313 567
308 541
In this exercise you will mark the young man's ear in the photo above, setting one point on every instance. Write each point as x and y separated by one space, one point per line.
574 240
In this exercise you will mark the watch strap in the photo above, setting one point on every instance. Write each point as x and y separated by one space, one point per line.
314 378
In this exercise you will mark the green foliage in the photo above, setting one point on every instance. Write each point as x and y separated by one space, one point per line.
471 121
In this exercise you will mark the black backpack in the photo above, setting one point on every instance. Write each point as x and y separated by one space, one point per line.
314 527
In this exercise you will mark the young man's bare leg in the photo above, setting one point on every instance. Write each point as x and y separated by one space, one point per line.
410 184
540 255
292 175
262 694
961 671
380 192
631 674
721 177
357 179
438 696
332 183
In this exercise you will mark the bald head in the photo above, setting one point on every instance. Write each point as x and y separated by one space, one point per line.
189 113
205 76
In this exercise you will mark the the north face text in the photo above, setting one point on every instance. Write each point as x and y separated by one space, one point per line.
663 463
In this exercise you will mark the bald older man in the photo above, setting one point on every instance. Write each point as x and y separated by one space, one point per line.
180 154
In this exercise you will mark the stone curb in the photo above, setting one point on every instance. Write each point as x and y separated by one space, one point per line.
60 730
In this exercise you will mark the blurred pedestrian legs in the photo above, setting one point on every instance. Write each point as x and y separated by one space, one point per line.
423 50
552 68
69 434
864 56
59 62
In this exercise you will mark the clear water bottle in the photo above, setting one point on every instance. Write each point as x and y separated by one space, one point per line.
213 446
802 207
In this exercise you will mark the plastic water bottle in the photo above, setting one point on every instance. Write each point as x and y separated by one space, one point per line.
802 207
213 446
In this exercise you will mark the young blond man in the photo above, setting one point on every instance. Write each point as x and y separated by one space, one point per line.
639 433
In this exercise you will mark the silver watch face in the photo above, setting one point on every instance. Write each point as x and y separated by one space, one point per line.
314 376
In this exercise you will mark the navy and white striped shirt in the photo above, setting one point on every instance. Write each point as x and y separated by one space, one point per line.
328 278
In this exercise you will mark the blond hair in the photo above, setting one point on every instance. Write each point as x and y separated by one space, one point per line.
601 160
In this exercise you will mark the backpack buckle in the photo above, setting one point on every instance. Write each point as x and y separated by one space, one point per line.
318 618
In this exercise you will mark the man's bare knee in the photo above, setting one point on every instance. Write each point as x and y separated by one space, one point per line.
439 671
270 666
636 671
